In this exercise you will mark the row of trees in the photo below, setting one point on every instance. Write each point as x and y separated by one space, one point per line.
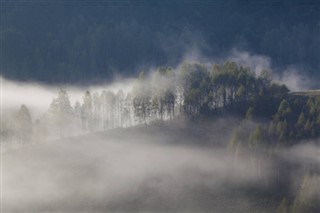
192 90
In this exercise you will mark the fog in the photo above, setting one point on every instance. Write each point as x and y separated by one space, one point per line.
178 166
292 76
143 169
38 96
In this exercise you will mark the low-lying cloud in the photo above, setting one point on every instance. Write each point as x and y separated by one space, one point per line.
291 76
139 170
37 97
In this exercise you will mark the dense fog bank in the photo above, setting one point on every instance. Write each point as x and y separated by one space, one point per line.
159 169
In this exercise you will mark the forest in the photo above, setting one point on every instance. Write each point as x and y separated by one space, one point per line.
55 42
160 106
253 120
193 91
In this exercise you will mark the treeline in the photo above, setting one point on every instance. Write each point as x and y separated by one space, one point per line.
193 90
270 117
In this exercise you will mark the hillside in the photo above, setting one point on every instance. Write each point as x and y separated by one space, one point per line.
159 106
154 168
194 92
72 42
307 93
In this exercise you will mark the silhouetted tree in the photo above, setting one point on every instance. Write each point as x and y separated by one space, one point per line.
23 125
61 113
87 112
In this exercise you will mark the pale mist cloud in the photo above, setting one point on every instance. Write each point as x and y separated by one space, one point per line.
37 97
125 171
256 62
290 76
295 81
147 170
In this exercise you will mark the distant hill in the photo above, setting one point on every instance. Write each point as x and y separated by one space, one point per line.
73 42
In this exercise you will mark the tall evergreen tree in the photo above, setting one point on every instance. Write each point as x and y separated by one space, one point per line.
61 113
87 112
23 125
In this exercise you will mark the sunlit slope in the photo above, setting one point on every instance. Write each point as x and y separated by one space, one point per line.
308 93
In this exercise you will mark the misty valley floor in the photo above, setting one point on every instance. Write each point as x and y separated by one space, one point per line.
142 169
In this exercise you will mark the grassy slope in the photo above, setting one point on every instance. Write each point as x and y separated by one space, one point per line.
309 93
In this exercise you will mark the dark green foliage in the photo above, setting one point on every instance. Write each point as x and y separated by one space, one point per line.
270 114
249 113
256 137
283 207
74 41
308 198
